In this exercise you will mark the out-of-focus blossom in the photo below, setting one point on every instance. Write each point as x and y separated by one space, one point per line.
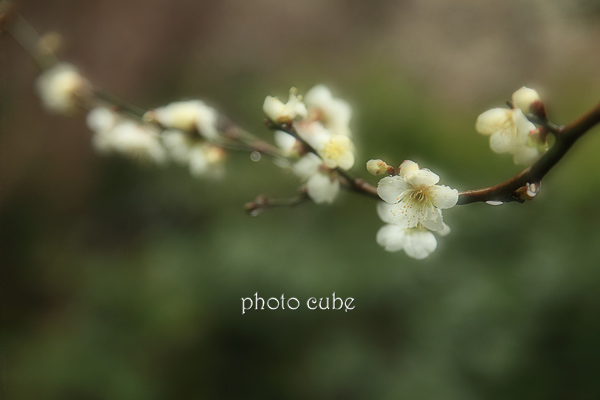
206 160
321 187
280 112
188 116
101 121
332 112
202 158
336 151
113 133
62 89
137 141
510 131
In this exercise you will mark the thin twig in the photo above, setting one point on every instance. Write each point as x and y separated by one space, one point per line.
263 203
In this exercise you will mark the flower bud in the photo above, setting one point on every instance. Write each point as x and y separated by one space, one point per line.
378 167
525 98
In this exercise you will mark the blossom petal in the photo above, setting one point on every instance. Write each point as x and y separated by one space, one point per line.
197 161
346 160
404 216
419 244
408 167
322 189
384 210
522 125
433 219
444 196
422 177
307 166
101 119
318 95
445 231
492 120
177 145
391 187
391 237
284 141
502 141
526 155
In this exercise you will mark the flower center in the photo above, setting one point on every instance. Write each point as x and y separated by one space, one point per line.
335 148
332 151
418 195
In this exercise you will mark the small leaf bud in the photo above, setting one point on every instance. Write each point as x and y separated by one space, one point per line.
529 191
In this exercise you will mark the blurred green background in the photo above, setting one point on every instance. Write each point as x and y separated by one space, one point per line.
125 282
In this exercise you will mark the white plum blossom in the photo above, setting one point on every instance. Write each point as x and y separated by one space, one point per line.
417 200
188 116
416 242
322 123
61 88
510 131
333 113
101 119
280 113
335 150
321 187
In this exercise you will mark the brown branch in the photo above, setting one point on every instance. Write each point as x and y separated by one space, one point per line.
518 188
511 189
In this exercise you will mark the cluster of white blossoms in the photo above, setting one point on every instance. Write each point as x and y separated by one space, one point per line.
412 209
189 136
323 123
314 132
183 131
510 131
115 134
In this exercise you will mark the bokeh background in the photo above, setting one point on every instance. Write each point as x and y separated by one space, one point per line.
125 282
